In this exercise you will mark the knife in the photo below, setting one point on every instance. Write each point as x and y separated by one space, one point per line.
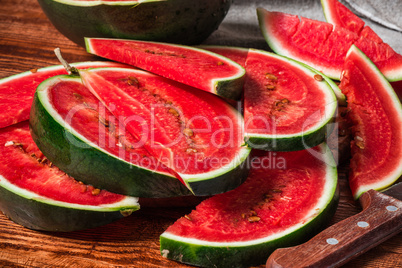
380 219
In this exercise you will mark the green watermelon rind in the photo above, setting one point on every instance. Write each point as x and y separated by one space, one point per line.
305 139
41 213
226 87
255 252
93 165
396 174
175 21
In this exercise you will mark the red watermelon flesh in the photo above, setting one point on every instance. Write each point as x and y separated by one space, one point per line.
376 115
323 46
339 15
17 91
23 165
188 130
282 188
82 110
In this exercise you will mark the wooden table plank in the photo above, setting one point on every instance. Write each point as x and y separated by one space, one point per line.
27 40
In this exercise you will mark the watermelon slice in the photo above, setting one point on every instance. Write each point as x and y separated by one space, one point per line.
37 195
116 146
323 46
287 106
17 91
189 65
339 15
376 115
287 197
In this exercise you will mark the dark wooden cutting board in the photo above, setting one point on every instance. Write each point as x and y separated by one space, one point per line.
27 40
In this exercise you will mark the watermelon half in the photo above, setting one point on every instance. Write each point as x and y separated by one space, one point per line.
287 106
175 21
189 65
323 46
37 195
17 91
376 115
287 197
92 140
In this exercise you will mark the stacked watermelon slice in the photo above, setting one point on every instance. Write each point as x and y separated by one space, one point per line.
245 126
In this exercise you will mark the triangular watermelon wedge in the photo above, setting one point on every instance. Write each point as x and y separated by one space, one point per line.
323 46
376 114
188 65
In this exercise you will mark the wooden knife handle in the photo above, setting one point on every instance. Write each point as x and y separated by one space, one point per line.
380 219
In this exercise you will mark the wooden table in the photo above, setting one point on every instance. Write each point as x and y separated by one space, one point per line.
27 40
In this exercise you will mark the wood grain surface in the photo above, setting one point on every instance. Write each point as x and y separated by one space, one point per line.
27 40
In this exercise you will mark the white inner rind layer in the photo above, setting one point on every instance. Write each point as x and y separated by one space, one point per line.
329 190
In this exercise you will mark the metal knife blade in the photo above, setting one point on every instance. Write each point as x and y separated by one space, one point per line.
380 219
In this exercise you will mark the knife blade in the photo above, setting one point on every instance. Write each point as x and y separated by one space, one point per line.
380 219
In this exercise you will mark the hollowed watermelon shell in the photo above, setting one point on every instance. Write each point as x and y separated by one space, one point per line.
37 195
108 162
376 114
323 46
175 21
286 198
17 91
188 65
287 106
